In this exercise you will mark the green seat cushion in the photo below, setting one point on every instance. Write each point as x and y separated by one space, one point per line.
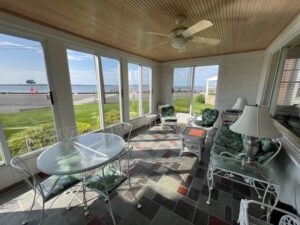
169 119
112 179
55 185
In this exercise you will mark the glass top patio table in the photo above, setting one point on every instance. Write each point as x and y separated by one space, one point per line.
265 174
80 154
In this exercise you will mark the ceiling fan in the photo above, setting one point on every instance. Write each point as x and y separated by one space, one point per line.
181 35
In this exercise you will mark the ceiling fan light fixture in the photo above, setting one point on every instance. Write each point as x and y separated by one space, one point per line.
179 42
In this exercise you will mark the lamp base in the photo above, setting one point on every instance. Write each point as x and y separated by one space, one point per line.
251 148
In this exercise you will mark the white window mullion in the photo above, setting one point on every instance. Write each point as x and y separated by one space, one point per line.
192 88
5 152
140 87
100 89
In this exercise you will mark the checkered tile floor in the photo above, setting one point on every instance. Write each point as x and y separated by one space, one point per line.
172 189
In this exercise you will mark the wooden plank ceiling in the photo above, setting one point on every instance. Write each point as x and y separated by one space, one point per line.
242 25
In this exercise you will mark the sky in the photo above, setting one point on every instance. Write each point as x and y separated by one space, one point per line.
22 59
182 75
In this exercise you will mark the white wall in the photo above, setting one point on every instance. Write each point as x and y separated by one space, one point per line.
239 76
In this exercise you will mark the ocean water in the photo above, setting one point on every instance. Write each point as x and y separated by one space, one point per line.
77 89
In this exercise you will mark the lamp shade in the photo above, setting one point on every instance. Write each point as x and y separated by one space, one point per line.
240 104
255 121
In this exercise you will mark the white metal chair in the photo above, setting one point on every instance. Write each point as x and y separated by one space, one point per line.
48 189
245 219
121 129
109 176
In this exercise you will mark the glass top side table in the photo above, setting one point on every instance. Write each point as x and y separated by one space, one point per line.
192 140
262 180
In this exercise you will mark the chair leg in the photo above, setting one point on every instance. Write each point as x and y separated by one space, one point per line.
108 202
139 205
69 205
25 221
42 216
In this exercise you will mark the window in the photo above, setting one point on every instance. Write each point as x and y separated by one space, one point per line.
182 89
85 90
139 84
147 89
194 88
25 109
111 97
287 109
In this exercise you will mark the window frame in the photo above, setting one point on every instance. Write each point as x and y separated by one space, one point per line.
5 152
101 78
140 88
98 78
193 70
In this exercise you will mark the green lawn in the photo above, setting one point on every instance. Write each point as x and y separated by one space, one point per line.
182 104
41 129
41 124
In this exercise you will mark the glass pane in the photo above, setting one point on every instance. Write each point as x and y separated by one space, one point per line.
133 85
288 99
111 97
182 81
85 90
1 155
25 109
146 80
205 86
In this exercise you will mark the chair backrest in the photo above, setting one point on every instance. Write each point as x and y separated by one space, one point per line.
288 220
210 116
167 110
24 171
126 156
121 129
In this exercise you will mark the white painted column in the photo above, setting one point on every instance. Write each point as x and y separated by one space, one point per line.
124 83
59 83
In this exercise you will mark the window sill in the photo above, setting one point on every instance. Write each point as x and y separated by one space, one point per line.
292 140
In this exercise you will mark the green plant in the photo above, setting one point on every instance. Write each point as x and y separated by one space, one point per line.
200 98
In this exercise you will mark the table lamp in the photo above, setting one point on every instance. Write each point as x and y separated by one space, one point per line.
255 122
240 104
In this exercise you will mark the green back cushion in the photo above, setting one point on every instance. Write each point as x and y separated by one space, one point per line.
209 116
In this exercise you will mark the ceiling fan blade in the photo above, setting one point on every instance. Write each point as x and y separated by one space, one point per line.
159 44
158 34
201 25
207 41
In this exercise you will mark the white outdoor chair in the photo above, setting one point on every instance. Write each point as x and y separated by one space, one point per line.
245 219
109 176
121 129
50 188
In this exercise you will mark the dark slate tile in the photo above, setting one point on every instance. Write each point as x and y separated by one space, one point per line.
216 221
135 189
134 218
185 210
193 194
149 208
201 217
175 166
203 164
214 192
222 187
243 189
228 216
186 181
165 202
238 196
226 182
154 176
201 173
107 220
